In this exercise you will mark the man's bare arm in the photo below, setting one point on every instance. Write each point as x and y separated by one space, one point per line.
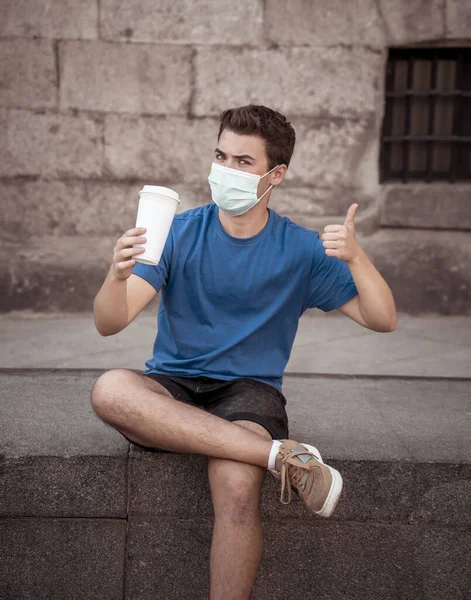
123 295
119 302
374 306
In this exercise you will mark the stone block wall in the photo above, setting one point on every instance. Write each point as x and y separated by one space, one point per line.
98 97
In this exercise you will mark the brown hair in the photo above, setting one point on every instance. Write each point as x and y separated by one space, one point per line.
272 126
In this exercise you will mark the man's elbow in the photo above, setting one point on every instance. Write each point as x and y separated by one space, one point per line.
102 331
106 331
388 326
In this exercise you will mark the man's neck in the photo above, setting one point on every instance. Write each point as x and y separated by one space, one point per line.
246 225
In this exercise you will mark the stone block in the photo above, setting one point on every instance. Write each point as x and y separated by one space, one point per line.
448 499
149 79
49 145
324 23
407 492
63 19
53 273
413 21
165 473
458 19
60 486
436 206
182 21
376 561
168 559
27 73
306 203
314 208
321 82
50 559
160 150
68 207
441 561
428 271
329 153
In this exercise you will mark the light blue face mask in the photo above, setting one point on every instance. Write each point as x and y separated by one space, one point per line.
234 191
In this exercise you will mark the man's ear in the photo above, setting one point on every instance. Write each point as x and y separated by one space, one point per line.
279 174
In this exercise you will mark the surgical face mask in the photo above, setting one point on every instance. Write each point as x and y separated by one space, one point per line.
234 191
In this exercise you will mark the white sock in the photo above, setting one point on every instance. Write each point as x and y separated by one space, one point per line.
273 454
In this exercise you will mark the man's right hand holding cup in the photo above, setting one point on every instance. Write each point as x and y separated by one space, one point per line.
123 260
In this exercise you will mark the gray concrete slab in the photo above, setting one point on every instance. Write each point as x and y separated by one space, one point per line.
54 559
403 447
433 346
168 485
49 414
401 528
382 419
317 559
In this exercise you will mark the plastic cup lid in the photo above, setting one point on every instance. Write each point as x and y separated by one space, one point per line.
163 191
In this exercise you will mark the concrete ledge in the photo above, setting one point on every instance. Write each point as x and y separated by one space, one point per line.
53 273
320 560
428 271
427 206
55 558
82 509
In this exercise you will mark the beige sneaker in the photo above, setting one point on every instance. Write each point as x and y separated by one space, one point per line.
302 469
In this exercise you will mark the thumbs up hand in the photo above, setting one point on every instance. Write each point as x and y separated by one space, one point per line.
340 240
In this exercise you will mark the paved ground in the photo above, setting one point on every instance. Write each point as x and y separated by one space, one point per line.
434 346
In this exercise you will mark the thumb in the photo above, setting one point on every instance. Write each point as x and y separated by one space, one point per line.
350 215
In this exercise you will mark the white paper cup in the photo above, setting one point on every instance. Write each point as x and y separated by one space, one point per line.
157 207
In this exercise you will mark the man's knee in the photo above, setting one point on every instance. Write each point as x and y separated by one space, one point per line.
107 390
235 490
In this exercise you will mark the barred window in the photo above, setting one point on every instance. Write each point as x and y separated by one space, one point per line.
426 133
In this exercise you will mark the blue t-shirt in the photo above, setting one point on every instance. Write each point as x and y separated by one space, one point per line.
229 306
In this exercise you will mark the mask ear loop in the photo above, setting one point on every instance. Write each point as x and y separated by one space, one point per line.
268 173
271 186
266 191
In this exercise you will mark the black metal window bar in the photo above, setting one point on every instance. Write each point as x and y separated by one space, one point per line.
426 133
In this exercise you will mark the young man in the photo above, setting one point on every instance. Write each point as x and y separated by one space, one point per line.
235 278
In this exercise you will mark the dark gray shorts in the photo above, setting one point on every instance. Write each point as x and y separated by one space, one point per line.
241 399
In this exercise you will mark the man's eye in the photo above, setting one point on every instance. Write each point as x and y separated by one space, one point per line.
242 162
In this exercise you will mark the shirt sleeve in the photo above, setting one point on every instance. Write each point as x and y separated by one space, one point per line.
157 275
331 284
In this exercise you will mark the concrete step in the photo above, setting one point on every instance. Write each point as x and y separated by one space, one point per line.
428 271
53 273
85 514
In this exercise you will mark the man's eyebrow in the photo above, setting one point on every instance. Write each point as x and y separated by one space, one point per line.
240 156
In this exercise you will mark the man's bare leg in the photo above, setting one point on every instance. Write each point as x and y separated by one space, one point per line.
146 413
236 548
